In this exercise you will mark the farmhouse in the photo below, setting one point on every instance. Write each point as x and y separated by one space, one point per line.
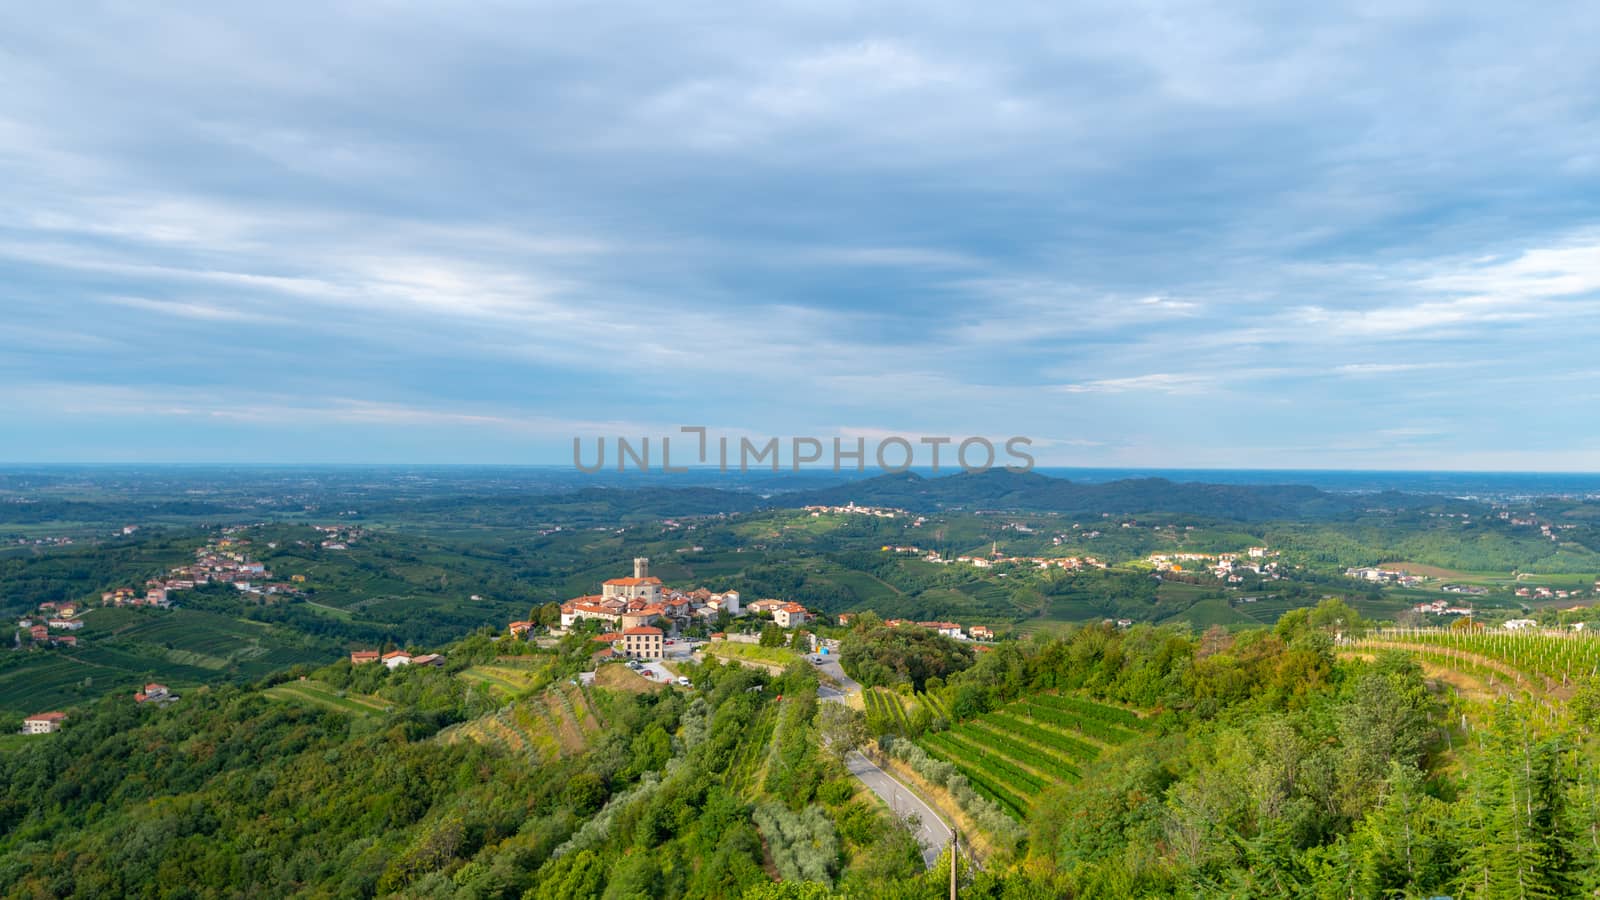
790 615
43 723
358 657
396 658
946 629
155 693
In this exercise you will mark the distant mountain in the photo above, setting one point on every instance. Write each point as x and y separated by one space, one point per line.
999 489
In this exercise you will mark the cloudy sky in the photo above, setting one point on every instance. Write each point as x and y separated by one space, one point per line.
1142 234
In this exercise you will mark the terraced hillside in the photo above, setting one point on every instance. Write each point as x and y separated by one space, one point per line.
888 711
510 676
555 723
317 693
1012 754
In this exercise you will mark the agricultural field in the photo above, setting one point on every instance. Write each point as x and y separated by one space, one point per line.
886 711
555 723
736 650
508 677
119 650
1012 754
1214 611
317 693
889 712
1536 661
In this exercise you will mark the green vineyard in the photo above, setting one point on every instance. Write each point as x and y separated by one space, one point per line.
1013 754
894 713
555 723
1538 660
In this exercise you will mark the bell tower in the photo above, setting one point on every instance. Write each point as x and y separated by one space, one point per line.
641 566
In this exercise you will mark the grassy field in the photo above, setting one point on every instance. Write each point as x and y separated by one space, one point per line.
508 680
318 694
1427 571
618 677
9 742
774 656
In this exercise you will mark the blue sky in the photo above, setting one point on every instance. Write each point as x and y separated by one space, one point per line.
1142 234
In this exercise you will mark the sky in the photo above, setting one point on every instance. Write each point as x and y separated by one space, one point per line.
1240 235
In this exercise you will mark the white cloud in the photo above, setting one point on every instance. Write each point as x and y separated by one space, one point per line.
1159 383
191 310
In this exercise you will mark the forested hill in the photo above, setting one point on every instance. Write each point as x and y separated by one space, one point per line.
590 505
999 489
489 499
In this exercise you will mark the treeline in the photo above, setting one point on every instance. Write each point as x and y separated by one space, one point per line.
877 655
81 572
230 792
1274 769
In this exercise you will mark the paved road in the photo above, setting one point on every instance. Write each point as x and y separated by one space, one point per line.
656 672
830 667
932 833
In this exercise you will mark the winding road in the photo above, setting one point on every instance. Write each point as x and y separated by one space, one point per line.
932 831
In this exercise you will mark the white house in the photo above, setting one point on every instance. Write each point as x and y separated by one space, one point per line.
790 615
43 723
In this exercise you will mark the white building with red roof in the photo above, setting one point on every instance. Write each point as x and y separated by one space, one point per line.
790 615
642 586
643 642
43 723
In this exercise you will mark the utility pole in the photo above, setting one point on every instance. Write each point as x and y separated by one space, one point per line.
955 841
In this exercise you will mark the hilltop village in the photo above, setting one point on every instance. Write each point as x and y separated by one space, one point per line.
225 560
646 616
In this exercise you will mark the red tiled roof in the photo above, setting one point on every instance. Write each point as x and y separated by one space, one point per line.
642 629
47 717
